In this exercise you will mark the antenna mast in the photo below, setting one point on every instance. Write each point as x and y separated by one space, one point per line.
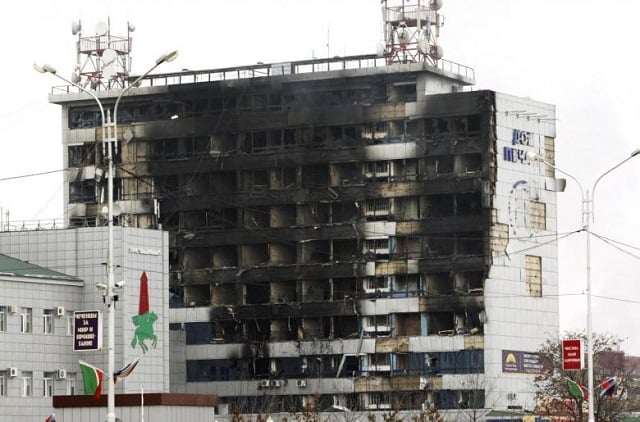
411 31
102 60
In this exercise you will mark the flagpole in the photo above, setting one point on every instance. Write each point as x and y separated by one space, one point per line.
141 403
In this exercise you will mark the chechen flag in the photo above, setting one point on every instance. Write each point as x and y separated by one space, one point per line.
51 418
126 370
92 378
578 391
608 387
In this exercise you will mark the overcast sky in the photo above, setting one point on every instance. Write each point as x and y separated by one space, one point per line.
581 55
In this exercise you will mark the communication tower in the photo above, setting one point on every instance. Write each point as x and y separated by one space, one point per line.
411 31
103 60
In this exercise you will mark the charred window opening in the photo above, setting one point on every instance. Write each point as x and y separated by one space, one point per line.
196 295
256 218
282 216
440 283
82 192
315 176
224 256
225 294
468 163
257 293
402 92
283 330
196 258
468 204
283 178
470 282
345 327
471 243
81 155
81 118
407 247
443 165
441 245
313 214
406 285
344 212
403 170
345 249
441 205
224 218
222 182
315 251
344 174
344 288
442 323
282 253
257 179
315 290
252 255
227 332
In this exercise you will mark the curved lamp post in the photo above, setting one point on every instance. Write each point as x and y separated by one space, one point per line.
587 217
110 137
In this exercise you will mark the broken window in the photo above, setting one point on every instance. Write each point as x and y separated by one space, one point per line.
533 269
468 203
315 176
468 163
441 205
470 243
81 155
254 254
82 192
439 283
442 323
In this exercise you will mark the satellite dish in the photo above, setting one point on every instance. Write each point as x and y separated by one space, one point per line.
423 46
109 71
75 27
435 4
101 28
75 77
380 50
109 57
132 27
436 52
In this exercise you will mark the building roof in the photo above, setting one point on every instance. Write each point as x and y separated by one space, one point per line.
12 267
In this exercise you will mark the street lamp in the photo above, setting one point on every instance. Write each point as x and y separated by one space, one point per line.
587 217
110 137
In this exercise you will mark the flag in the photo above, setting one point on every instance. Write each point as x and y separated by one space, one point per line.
51 418
92 378
578 391
608 387
126 370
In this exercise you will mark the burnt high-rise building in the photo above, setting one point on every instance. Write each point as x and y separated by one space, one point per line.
358 233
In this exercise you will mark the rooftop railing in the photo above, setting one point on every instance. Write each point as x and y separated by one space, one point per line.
261 70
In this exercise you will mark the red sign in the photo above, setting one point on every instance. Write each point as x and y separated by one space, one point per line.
572 356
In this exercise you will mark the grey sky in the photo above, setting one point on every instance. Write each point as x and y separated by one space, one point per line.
580 55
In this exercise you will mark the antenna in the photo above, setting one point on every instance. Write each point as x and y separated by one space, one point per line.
411 31
103 59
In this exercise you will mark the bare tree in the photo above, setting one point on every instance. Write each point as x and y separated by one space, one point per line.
473 399
553 395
